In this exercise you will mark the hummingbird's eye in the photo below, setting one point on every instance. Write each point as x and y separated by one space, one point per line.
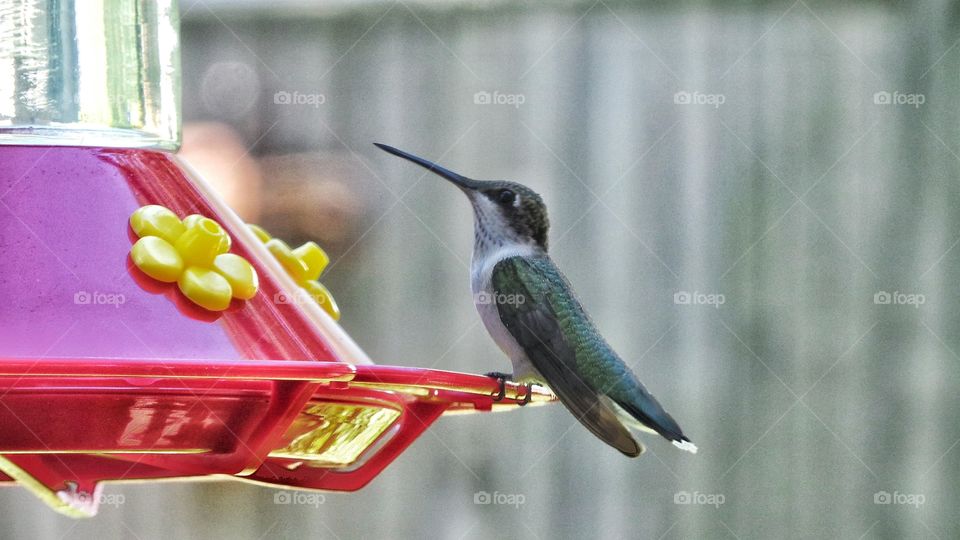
506 196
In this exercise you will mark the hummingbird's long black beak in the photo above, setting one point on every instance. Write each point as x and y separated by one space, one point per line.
459 180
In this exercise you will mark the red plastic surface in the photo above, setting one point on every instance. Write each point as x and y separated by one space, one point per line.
65 239
148 414
154 386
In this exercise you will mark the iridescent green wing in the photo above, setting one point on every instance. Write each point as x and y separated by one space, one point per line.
527 290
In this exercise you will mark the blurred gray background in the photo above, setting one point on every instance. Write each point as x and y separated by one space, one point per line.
797 161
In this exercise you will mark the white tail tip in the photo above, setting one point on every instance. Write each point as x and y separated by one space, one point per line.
686 445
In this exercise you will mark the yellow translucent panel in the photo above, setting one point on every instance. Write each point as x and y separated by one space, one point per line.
239 273
157 258
323 297
334 434
314 258
202 241
205 288
155 220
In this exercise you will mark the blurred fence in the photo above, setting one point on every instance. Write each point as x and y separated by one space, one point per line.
756 203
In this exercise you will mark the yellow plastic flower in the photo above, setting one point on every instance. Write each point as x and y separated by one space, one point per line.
304 264
194 253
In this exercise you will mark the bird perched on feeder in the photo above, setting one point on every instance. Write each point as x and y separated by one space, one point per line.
531 311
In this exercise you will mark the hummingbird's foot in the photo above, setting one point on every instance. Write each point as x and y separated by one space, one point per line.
528 396
502 379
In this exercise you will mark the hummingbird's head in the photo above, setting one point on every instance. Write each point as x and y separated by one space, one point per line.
505 213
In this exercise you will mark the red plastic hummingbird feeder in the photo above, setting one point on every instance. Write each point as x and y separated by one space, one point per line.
107 374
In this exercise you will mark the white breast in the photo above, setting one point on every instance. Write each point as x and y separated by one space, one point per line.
485 301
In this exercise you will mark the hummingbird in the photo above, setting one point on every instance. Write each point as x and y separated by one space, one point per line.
532 313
